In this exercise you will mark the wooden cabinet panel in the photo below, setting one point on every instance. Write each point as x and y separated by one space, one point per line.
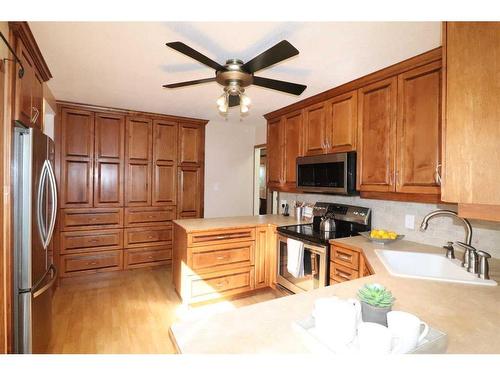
164 163
87 219
138 161
164 185
342 273
140 237
222 236
220 284
37 100
109 156
80 264
164 141
342 122
377 109
189 198
147 256
87 241
274 154
315 129
191 144
292 146
471 134
345 257
419 130
211 258
77 158
147 216
262 270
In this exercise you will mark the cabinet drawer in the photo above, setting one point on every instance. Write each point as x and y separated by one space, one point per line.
222 236
229 255
87 241
76 264
345 257
146 216
86 219
220 284
341 273
151 236
147 256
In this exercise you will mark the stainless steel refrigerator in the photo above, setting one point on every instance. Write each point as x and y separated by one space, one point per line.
35 208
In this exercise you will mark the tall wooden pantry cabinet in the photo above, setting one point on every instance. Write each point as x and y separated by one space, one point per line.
123 177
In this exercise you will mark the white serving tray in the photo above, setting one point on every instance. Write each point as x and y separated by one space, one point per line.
435 342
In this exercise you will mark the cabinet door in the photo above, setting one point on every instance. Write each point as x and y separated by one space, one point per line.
189 202
109 156
419 130
77 158
292 146
164 163
274 154
24 111
191 144
37 100
138 155
377 136
342 119
315 129
261 258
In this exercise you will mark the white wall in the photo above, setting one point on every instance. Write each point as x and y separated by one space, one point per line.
229 149
391 215
261 133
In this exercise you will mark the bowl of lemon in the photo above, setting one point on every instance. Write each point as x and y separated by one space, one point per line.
381 236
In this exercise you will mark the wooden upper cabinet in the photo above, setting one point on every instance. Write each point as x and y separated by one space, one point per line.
377 109
315 129
274 153
164 163
292 146
109 155
342 122
77 158
189 201
471 130
191 144
138 161
419 130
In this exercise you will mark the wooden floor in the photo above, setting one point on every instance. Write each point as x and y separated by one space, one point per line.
126 312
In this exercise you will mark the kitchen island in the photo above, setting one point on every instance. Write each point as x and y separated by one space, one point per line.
468 314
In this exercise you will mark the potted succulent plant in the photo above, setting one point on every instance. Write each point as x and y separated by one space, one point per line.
376 302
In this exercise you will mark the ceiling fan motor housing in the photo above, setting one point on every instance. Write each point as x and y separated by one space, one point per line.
234 78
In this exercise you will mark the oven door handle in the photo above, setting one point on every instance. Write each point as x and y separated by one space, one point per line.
314 269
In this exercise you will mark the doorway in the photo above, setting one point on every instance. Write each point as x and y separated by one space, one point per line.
260 192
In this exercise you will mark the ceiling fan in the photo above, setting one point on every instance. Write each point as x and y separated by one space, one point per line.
235 75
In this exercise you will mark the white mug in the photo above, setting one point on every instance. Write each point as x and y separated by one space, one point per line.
374 338
336 319
407 328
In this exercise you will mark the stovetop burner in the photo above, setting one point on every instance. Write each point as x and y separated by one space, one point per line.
307 232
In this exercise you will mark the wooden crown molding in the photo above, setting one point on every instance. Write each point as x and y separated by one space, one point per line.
127 112
23 31
400 67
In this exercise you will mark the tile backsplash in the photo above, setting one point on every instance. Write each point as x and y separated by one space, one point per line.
391 215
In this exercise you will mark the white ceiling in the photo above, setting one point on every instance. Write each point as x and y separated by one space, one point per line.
124 65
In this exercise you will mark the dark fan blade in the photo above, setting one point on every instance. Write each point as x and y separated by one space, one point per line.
289 87
281 51
188 51
188 83
234 100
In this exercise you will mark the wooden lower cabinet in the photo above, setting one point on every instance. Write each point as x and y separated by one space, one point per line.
88 263
91 218
147 256
212 264
140 237
90 241
148 216
347 263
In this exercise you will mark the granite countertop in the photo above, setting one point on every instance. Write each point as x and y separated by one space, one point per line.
195 225
468 314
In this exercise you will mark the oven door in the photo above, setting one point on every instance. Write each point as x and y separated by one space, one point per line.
315 261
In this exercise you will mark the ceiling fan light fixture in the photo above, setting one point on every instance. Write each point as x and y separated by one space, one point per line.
243 108
221 100
245 100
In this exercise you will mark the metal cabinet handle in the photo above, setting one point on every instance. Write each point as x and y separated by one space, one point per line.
437 174
35 117
344 256
342 274
221 257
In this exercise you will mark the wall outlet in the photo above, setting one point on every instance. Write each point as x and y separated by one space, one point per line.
410 222
283 202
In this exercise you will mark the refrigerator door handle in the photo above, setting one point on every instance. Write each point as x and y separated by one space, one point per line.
49 284
53 192
42 227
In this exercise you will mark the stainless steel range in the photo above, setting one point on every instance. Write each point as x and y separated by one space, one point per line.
341 221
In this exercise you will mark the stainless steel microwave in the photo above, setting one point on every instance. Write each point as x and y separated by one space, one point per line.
330 173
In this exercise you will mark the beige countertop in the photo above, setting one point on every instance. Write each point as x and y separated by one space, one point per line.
469 315
195 225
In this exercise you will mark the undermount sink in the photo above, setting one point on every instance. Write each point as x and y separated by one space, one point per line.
427 266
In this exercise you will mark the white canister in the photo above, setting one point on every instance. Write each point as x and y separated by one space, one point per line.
407 328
